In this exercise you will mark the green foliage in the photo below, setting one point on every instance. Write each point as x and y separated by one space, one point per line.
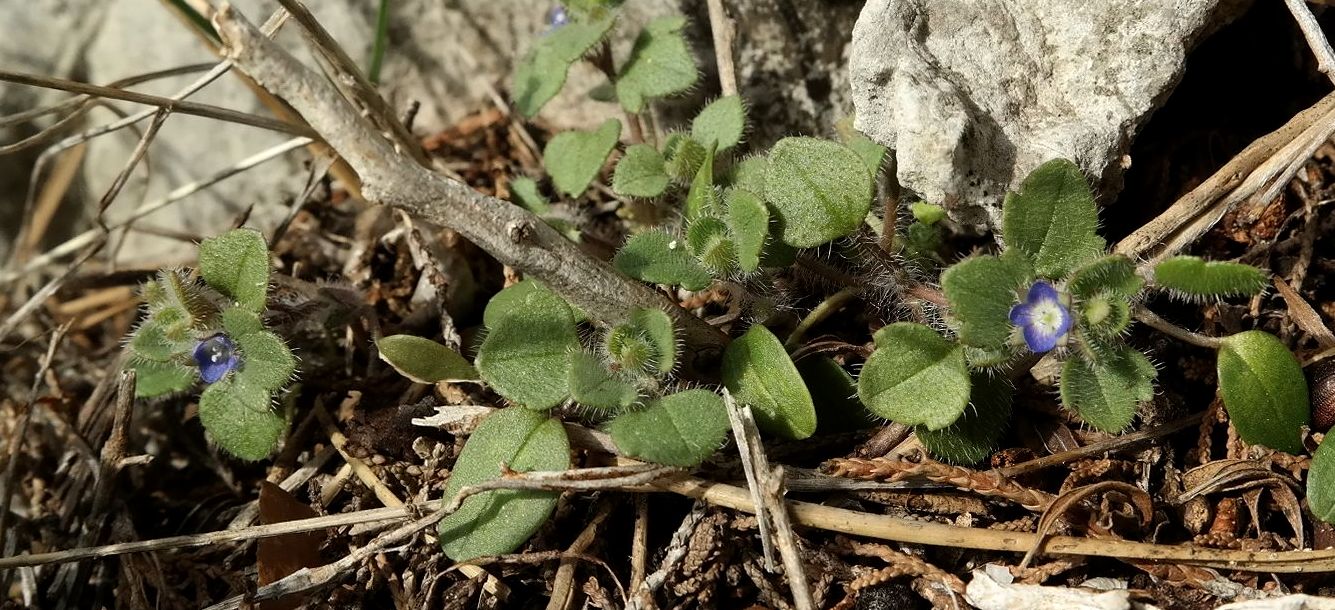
748 222
981 291
749 175
154 378
236 264
927 213
542 72
1264 390
1195 278
660 64
1113 275
759 373
515 297
240 418
1106 393
702 199
423 360
915 377
872 154
1321 482
573 158
835 396
1105 316
684 156
641 172
720 124
653 327
499 521
524 192
710 242
681 429
592 385
975 434
1052 219
659 258
820 190
525 355
266 362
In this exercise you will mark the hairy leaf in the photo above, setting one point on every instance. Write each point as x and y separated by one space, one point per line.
975 434
749 175
759 373
1052 219
239 322
1106 393
266 362
525 354
499 521
573 158
236 264
927 213
710 242
423 360
820 190
1321 482
915 377
684 156
592 385
542 72
240 418
659 258
1113 274
515 297
680 429
149 342
1194 277
660 64
720 124
641 172
656 327
702 199
154 378
835 395
748 221
524 192
981 291
1264 390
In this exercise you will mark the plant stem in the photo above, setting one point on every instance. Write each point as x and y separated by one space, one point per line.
822 311
1153 320
381 36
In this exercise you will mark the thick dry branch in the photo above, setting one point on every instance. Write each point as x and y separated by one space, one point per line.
511 234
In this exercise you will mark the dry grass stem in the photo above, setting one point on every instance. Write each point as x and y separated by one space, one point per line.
986 483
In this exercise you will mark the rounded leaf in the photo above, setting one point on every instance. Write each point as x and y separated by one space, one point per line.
975 434
702 199
1194 277
239 322
981 291
659 258
915 377
835 395
1321 482
681 429
573 158
660 64
154 378
748 221
592 385
266 362
423 360
241 419
1114 274
524 193
820 190
525 354
498 522
641 172
236 264
656 326
542 72
720 124
1106 393
1264 390
1053 219
711 243
759 373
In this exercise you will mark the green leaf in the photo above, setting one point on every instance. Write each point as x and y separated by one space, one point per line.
641 172
820 190
1113 274
157 378
592 385
1264 390
656 327
749 175
915 377
835 396
721 123
149 343
499 521
526 353
927 213
975 434
515 297
981 291
659 258
236 264
1053 219
524 193
573 158
1105 316
266 362
241 419
759 373
872 154
681 429
702 199
239 322
1321 482
684 156
542 72
660 64
178 305
1193 277
423 360
631 350
748 220
1105 394
710 242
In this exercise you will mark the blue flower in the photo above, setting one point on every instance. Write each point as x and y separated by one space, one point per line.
1042 317
216 356
556 18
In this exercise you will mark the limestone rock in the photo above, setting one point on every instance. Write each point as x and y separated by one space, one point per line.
973 94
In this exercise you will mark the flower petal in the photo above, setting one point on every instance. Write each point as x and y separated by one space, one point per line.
1041 291
215 357
1020 314
1039 341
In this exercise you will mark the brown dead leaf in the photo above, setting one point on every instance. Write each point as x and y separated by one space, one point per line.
280 556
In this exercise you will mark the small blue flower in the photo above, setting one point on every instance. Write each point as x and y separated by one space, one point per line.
216 356
556 18
1042 317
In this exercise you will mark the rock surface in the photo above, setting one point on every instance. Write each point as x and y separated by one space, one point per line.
973 94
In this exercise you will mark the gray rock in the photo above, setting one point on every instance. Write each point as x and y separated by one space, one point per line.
973 94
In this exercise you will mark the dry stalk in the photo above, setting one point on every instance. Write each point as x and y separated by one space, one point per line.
903 564
986 483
